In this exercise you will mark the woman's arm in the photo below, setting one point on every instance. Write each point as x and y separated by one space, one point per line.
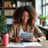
11 32
14 31
41 36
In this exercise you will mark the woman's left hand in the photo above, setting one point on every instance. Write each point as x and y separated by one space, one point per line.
32 39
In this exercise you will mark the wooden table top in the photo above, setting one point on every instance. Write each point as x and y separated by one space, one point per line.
44 45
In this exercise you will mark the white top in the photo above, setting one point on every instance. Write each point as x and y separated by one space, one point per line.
23 34
21 30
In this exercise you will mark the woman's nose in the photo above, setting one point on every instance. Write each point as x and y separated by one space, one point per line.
25 17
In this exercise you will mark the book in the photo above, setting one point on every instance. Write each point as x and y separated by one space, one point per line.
7 3
23 3
29 3
19 3
8 12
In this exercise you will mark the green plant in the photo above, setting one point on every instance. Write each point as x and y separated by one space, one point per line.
3 25
41 17
44 18
47 18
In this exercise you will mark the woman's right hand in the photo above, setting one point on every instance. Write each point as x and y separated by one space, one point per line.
19 39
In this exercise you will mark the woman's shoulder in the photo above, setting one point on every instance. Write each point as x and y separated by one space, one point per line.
15 24
34 26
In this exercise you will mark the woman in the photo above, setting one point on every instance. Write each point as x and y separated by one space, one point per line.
24 21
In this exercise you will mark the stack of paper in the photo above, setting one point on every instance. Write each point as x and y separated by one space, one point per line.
24 44
31 44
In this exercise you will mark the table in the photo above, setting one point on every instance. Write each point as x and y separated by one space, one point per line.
44 28
44 45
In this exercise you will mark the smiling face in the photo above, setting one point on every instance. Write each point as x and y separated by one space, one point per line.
25 17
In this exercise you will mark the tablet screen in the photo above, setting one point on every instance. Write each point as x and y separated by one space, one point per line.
26 35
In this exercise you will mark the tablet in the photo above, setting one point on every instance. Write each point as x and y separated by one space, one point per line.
26 35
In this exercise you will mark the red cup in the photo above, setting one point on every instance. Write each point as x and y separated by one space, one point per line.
5 39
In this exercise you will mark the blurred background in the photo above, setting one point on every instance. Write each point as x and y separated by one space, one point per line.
7 8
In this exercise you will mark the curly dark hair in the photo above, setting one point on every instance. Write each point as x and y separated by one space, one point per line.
19 11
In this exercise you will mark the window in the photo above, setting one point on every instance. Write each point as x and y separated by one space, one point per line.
46 1
43 2
45 7
47 10
44 11
38 6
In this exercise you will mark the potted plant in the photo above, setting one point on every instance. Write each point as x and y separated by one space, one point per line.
44 20
40 17
3 26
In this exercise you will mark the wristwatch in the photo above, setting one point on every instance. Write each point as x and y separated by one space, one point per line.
38 40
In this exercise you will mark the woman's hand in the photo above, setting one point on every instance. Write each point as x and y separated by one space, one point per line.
18 39
32 39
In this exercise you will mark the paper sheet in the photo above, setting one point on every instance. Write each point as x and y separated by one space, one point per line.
32 44
24 44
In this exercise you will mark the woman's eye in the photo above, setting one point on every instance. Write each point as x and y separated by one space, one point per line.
25 16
